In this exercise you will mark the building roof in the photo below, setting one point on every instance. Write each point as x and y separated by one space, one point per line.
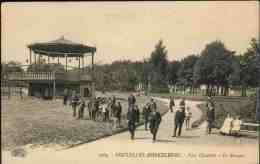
61 47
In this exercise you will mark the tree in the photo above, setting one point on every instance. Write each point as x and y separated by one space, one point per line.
10 67
46 68
185 72
159 65
249 67
173 69
214 67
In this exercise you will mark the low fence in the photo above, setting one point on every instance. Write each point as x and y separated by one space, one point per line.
49 76
31 76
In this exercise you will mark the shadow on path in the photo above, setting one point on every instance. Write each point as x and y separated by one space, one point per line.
188 137
142 138
165 141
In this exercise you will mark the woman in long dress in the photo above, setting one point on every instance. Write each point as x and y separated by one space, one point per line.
227 125
236 126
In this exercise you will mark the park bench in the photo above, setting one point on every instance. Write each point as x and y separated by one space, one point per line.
245 124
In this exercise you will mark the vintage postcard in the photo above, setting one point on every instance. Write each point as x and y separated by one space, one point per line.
130 82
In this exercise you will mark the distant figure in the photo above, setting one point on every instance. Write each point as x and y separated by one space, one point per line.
210 117
104 110
131 100
81 108
227 125
188 115
131 118
65 97
209 102
119 113
179 118
155 120
89 105
74 103
146 113
172 104
153 104
113 100
107 112
96 108
137 112
114 114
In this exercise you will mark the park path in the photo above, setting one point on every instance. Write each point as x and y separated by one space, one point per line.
193 146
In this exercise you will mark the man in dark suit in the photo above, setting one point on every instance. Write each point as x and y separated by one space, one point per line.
146 113
172 104
155 120
131 118
210 117
131 100
137 112
179 118
118 113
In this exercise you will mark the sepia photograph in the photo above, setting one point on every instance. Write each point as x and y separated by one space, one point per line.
149 82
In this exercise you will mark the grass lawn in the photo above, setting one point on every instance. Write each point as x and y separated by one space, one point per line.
39 122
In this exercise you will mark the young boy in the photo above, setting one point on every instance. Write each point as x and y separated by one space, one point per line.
187 118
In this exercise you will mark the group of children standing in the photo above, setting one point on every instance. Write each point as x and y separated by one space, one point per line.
111 110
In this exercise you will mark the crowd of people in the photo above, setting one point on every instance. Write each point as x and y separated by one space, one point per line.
110 109
98 110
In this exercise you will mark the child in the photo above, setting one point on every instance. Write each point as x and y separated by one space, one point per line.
187 117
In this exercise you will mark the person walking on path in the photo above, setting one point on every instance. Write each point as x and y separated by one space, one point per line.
153 104
131 118
188 115
131 100
172 104
114 115
155 120
65 97
179 118
146 113
210 117
137 112
118 113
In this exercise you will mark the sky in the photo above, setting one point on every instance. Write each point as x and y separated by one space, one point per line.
128 30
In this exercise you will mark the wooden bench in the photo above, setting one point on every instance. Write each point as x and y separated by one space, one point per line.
249 125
